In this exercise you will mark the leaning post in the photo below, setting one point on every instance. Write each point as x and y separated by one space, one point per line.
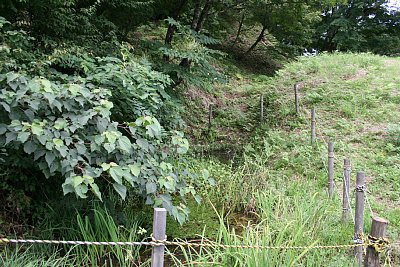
346 190
359 215
378 230
296 97
159 228
330 169
261 108
313 122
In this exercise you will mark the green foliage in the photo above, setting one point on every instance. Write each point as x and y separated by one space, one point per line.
66 124
360 26
188 58
11 257
394 135
101 226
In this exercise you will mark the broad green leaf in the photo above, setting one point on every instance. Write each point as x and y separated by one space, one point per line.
58 142
46 85
135 169
121 190
49 157
11 76
77 180
10 137
143 144
117 173
74 89
109 147
81 190
124 143
60 124
23 136
29 147
3 128
105 166
6 106
96 190
151 188
37 129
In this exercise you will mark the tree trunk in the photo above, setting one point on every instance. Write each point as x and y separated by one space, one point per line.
203 15
199 17
238 31
259 38
171 29
196 15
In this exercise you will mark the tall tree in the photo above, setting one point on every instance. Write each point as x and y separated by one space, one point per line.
360 26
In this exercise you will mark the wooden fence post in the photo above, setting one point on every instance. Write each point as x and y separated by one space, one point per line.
378 229
313 121
330 169
346 190
359 215
261 109
159 227
296 97
210 115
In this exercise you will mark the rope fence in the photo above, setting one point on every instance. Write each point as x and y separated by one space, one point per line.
375 243
380 244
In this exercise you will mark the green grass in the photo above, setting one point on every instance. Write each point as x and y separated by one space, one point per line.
30 257
271 183
356 97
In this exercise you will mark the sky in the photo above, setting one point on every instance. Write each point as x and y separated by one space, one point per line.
394 3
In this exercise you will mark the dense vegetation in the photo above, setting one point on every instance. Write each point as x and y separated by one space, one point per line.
101 100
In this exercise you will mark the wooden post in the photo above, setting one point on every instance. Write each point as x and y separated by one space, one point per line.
296 97
359 215
378 229
261 109
210 115
346 190
159 227
313 121
330 169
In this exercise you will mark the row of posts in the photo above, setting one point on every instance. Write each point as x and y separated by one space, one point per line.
379 225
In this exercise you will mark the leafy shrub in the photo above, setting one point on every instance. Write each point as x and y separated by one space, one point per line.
67 126
188 58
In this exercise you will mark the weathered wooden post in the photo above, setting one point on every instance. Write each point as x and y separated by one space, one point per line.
296 97
261 109
159 227
330 169
359 215
378 229
313 121
210 115
346 190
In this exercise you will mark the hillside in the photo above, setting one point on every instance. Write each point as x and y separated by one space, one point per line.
280 180
271 183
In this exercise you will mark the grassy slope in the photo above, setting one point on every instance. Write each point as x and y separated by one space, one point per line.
271 183
356 97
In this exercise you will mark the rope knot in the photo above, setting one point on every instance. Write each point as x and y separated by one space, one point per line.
153 239
378 243
361 188
358 238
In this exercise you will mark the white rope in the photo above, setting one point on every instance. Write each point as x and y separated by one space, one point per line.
64 242
368 203
348 198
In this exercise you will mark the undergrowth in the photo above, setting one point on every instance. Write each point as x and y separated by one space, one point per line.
271 186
